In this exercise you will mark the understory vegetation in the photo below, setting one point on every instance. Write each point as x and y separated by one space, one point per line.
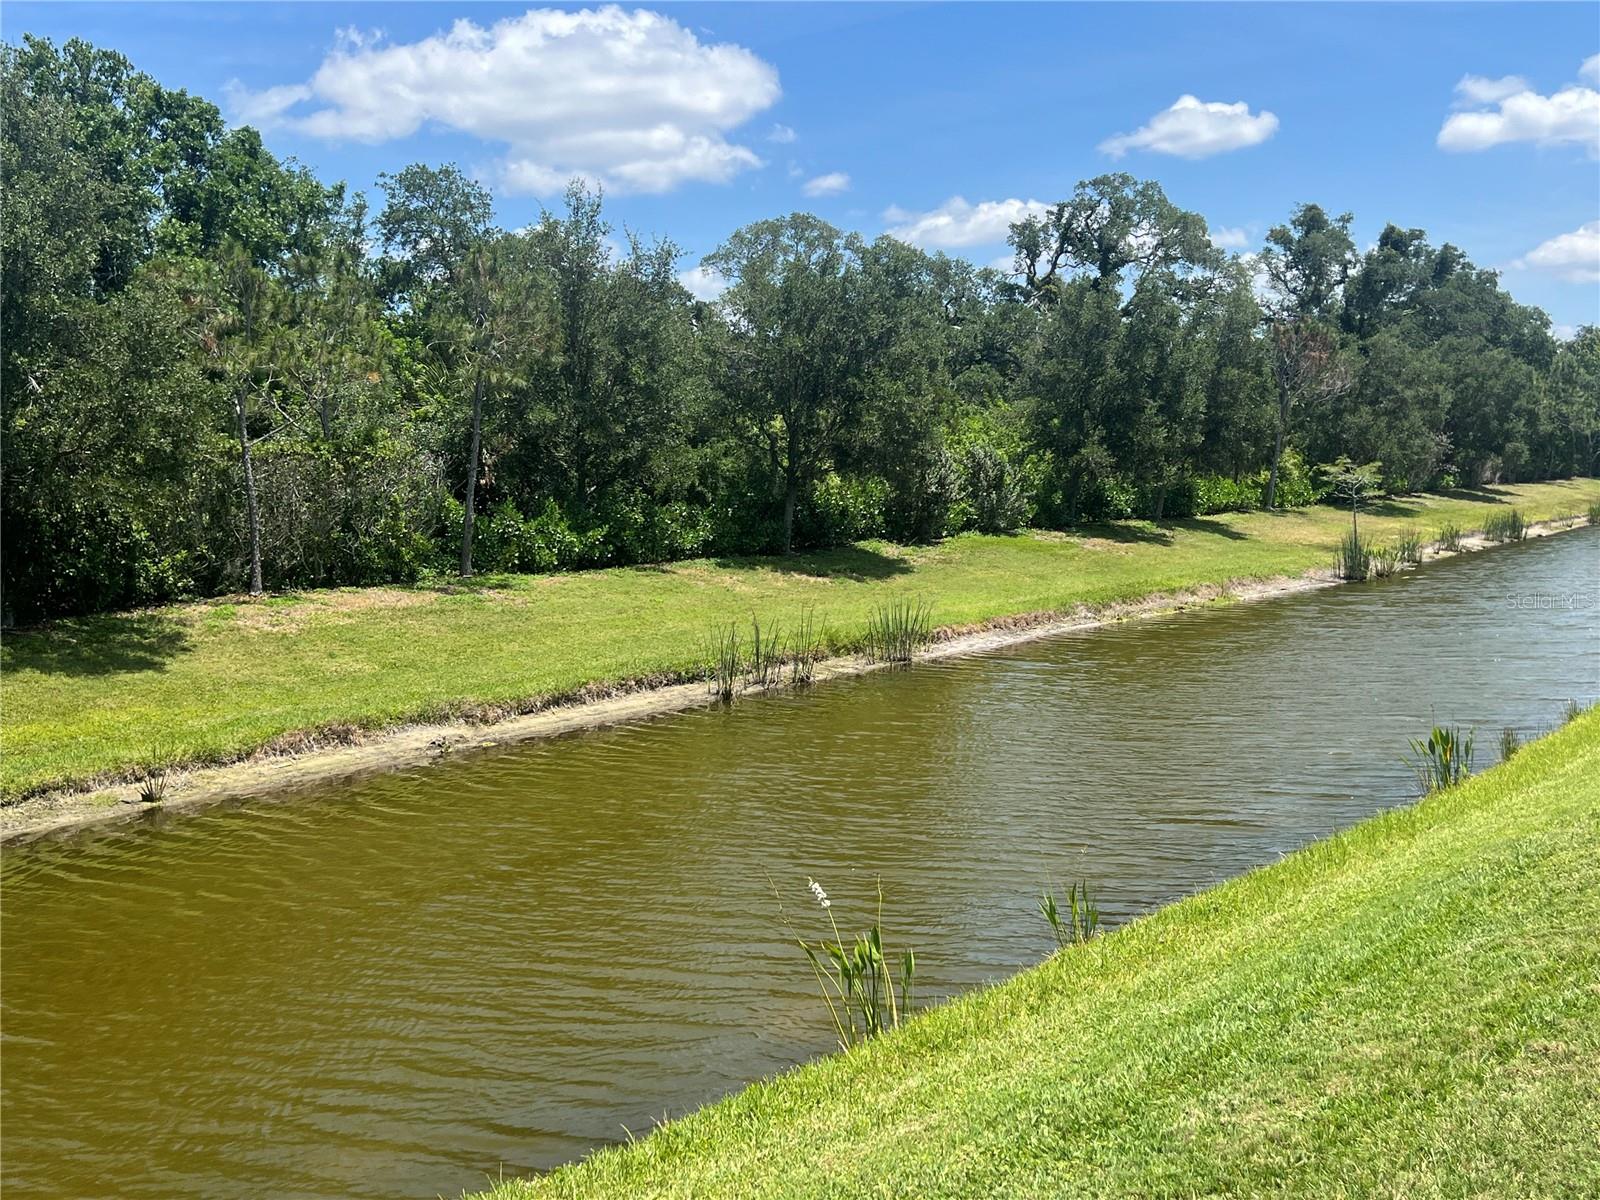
113 694
224 375
1406 1006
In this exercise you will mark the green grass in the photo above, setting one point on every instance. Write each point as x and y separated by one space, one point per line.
1409 1008
89 698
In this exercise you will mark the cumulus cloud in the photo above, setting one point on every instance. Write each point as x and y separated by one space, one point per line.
830 184
1477 89
1573 256
1509 110
1228 237
703 283
1194 128
956 223
781 134
632 100
1590 69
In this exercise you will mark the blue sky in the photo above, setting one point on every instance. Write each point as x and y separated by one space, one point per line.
1477 122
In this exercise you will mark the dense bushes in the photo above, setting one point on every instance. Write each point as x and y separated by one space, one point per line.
596 413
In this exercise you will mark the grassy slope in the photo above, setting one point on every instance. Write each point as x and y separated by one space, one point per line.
214 680
1410 1008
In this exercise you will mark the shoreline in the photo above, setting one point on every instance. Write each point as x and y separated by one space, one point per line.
265 772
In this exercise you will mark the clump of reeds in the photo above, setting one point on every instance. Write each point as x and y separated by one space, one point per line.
1449 538
1505 526
896 631
1572 712
153 788
805 652
1409 547
1442 759
1384 561
1594 513
1510 743
726 661
765 664
1353 558
1079 922
863 993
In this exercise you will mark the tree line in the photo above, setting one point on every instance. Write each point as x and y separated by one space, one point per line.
220 374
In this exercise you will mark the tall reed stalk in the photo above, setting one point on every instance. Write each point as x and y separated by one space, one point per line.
765 666
726 662
1353 558
1449 538
897 630
805 651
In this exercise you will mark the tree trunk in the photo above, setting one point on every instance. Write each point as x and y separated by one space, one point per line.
1271 497
252 509
791 494
473 452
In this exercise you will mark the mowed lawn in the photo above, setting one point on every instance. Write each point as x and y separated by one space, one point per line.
210 681
1407 1009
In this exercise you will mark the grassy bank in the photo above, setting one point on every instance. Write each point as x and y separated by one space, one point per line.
211 681
1410 1008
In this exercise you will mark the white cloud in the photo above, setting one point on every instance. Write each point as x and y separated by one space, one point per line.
1573 256
1590 68
1229 237
1194 128
1509 110
1477 89
830 184
956 223
632 100
781 134
703 283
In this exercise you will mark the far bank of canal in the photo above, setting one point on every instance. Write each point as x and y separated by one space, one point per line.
395 987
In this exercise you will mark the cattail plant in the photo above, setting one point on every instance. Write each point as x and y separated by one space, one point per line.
1409 547
1449 538
805 651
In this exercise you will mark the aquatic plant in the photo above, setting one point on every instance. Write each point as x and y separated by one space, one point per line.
896 631
1442 759
1449 538
765 665
1080 921
1510 743
1594 513
725 661
1572 712
1409 547
1505 526
805 651
153 788
1384 561
1353 558
864 996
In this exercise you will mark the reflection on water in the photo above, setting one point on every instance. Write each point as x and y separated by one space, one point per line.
397 987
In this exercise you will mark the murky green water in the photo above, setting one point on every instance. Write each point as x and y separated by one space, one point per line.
399 987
